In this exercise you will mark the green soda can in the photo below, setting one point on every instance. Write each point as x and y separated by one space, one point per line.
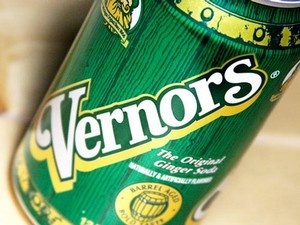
154 105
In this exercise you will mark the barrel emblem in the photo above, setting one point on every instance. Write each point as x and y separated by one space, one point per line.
147 203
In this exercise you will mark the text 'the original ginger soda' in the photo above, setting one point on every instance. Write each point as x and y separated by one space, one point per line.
155 103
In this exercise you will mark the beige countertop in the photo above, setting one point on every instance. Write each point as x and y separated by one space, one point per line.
34 37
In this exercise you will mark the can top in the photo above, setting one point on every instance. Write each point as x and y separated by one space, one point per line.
280 3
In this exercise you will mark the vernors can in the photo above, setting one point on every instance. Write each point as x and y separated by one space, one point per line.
152 108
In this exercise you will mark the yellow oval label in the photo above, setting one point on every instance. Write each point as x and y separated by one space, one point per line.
147 203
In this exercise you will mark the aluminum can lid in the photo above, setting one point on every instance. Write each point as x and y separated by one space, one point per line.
280 3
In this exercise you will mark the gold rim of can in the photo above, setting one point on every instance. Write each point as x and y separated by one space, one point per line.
252 31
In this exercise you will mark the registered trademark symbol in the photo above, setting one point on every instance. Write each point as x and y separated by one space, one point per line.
275 74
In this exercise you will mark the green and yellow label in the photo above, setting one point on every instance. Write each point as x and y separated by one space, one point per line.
84 140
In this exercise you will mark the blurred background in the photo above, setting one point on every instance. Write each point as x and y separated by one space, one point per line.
35 35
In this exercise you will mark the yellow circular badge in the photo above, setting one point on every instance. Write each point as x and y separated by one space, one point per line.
147 203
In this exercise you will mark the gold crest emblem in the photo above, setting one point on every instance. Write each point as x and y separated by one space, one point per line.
118 15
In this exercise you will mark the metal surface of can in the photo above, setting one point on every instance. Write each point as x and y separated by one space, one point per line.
154 105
